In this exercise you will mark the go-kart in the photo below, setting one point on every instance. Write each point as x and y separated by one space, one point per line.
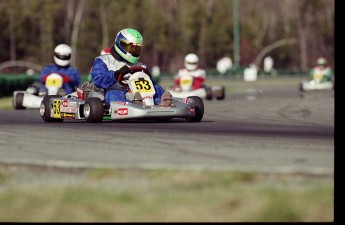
185 89
32 97
317 83
88 104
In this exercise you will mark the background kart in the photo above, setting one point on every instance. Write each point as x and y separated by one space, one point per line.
89 105
32 97
312 85
318 82
316 85
185 89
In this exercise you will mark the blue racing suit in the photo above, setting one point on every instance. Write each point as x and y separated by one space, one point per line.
102 74
71 76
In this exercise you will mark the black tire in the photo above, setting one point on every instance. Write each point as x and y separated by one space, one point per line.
17 101
221 93
93 110
61 92
199 109
333 84
164 119
209 93
45 108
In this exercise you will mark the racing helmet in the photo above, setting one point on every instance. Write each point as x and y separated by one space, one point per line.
128 44
191 61
321 61
62 55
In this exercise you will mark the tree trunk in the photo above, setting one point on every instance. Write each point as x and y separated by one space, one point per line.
12 38
69 21
104 24
75 31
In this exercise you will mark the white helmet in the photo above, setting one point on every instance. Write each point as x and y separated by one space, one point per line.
62 55
191 61
321 61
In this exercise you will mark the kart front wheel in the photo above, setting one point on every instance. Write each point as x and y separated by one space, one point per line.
209 93
220 93
199 109
17 101
93 110
45 109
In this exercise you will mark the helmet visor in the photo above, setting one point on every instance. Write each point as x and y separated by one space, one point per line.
133 48
62 57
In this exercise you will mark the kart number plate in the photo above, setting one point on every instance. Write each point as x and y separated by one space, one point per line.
317 76
56 108
186 82
143 85
53 82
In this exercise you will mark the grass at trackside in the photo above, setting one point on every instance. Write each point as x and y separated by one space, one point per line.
161 195
6 103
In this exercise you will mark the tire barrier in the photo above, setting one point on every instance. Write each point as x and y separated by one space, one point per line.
13 82
16 82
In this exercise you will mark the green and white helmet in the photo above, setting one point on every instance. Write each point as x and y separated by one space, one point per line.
129 44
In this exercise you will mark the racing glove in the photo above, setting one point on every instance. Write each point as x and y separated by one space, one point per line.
118 74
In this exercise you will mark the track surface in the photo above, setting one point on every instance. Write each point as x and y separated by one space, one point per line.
260 129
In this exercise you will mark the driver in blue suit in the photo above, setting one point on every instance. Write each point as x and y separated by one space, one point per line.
110 69
71 76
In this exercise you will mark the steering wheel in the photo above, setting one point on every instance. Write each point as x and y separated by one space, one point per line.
140 68
135 69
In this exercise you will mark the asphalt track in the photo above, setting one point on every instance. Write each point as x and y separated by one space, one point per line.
259 129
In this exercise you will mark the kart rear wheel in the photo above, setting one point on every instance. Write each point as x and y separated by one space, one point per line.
220 93
199 109
164 119
300 87
93 110
17 101
46 107
209 93
61 92
333 84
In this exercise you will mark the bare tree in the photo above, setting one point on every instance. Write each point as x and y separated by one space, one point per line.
12 29
104 24
76 24
68 21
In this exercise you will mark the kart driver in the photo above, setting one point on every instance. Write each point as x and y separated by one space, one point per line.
321 71
103 52
62 58
110 69
191 62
